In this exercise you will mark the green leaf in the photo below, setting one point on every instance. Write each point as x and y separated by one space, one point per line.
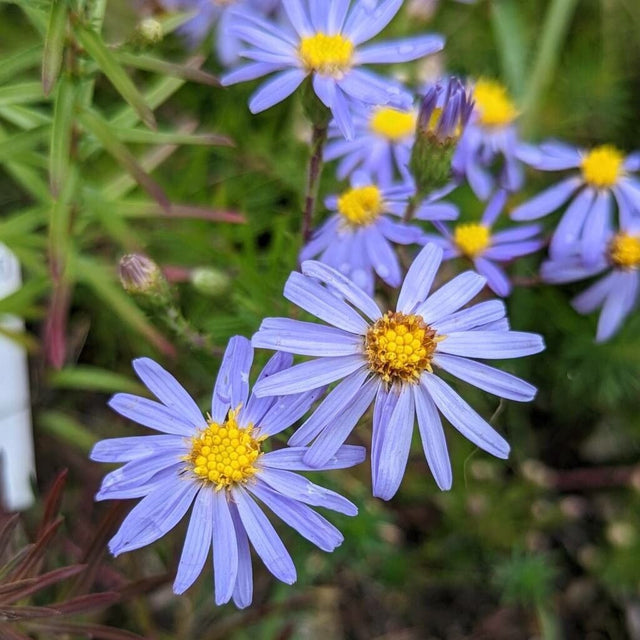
24 117
12 148
21 93
172 21
144 136
54 45
22 302
99 278
164 68
60 220
111 68
94 379
18 62
103 132
67 429
61 132
21 338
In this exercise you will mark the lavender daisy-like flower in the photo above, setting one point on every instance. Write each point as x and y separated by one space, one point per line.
210 14
218 465
490 136
488 249
382 143
605 176
393 359
616 291
325 43
356 239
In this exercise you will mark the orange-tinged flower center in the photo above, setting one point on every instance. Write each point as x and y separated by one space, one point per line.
400 347
624 251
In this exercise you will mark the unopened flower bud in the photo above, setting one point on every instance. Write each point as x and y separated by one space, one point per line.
149 31
444 113
139 274
209 281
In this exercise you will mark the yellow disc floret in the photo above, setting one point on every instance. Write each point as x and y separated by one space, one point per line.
400 347
493 104
472 239
624 251
393 124
602 166
224 454
361 206
328 55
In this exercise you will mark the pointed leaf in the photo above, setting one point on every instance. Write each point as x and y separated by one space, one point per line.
54 45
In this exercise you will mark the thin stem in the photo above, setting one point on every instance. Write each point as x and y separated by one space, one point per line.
316 163
554 31
187 333
412 206
549 624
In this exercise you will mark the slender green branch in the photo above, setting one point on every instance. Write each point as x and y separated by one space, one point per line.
318 140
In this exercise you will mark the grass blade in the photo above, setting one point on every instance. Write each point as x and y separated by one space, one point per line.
54 45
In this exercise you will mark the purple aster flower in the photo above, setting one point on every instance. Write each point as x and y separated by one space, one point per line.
616 291
487 249
217 13
218 465
605 176
356 239
490 136
393 360
324 43
382 143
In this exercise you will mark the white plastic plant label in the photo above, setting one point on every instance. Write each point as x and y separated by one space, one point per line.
17 465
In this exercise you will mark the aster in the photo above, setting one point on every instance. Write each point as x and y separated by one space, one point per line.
491 136
210 14
382 142
218 465
486 248
356 239
617 267
323 41
605 176
393 359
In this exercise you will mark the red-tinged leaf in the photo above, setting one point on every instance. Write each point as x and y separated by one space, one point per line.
204 213
141 587
33 585
88 630
8 633
85 603
9 589
53 500
7 527
25 613
55 328
31 561
10 567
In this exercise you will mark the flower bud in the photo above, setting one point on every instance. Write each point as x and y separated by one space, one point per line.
139 274
444 113
210 282
149 31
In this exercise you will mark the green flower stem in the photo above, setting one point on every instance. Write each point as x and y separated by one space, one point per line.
548 621
554 31
318 141
183 329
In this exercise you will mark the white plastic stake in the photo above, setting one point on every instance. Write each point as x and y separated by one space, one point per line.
17 463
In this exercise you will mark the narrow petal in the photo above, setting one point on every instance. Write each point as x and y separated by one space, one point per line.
491 344
547 201
168 390
292 459
394 448
248 72
464 418
451 296
264 538
386 401
196 543
404 50
300 488
475 316
126 449
281 86
243 591
295 11
497 279
595 230
490 379
300 517
308 375
364 23
287 410
419 278
593 297
570 227
434 442
225 547
232 384
617 305
383 258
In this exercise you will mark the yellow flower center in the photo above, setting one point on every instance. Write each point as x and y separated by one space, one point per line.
393 124
400 347
224 454
328 55
602 166
493 104
624 251
361 206
472 239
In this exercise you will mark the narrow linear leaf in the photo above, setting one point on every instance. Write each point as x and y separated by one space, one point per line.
18 62
172 21
102 131
12 148
67 429
21 93
54 45
144 136
94 379
24 117
61 132
111 68
140 209
157 65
